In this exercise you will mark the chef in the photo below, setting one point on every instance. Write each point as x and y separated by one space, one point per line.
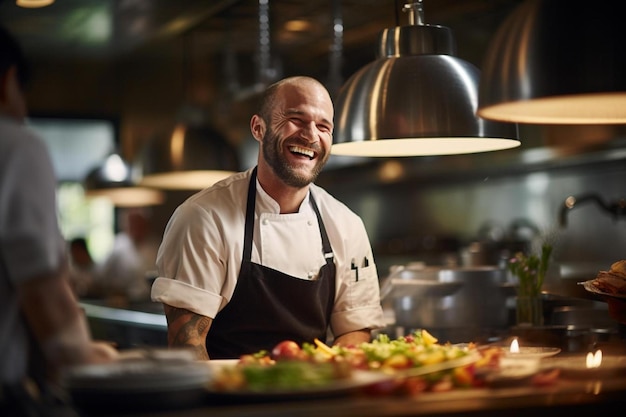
266 255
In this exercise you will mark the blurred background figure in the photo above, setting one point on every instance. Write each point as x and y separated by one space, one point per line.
42 329
82 269
124 273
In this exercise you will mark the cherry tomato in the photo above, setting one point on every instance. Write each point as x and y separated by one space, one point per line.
287 350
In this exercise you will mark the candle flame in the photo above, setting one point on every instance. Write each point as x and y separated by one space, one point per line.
594 359
514 346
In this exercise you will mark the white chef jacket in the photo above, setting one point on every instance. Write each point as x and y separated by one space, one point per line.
200 256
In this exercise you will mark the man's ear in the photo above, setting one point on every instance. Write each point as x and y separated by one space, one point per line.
257 127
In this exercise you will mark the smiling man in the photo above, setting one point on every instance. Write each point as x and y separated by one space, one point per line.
266 255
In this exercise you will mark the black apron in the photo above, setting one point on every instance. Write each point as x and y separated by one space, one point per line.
269 306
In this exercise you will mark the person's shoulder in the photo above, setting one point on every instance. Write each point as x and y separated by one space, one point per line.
15 135
229 185
225 193
20 142
239 179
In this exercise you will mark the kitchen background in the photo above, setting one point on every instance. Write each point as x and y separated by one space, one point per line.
143 64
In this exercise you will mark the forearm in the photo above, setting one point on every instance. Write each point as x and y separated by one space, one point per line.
58 324
187 329
353 338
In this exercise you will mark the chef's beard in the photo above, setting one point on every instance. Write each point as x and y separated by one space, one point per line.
273 155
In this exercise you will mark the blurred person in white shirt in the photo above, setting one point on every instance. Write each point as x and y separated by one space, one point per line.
123 275
42 328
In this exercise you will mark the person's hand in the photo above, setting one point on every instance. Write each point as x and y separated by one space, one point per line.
101 352
90 353
617 309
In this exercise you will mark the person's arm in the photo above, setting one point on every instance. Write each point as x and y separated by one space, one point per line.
187 329
353 338
58 324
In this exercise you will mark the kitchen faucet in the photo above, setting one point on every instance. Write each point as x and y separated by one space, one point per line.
616 208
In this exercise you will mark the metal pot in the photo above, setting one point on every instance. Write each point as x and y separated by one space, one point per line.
468 300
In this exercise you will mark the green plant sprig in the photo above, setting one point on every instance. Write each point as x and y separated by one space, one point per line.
530 270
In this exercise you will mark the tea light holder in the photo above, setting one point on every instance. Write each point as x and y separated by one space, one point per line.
516 351
513 372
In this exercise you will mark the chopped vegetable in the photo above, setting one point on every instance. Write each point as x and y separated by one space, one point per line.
290 366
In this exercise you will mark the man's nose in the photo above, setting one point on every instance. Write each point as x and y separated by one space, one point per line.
309 132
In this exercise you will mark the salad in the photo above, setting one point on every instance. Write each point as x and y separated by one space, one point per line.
292 366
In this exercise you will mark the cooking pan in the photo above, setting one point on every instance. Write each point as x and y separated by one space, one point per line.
449 298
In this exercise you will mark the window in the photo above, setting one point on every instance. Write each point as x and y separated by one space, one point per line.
76 146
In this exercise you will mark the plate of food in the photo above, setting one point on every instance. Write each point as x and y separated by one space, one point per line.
287 380
314 370
590 286
611 283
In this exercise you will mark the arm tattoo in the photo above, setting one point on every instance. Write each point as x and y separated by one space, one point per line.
187 329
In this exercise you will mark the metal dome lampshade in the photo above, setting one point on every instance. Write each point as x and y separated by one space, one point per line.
416 99
113 180
554 62
33 4
193 157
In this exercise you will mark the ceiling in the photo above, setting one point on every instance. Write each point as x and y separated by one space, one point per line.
230 31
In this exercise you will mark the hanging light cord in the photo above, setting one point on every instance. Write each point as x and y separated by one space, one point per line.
335 80
416 12
266 74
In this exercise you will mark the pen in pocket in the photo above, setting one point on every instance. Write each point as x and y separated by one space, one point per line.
355 268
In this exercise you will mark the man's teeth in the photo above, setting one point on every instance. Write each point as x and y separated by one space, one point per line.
303 151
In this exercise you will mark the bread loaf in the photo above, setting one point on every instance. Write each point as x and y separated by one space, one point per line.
619 268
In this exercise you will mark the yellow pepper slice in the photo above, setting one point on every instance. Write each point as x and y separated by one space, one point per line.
324 348
428 338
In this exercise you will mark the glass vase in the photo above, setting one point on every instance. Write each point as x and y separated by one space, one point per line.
529 310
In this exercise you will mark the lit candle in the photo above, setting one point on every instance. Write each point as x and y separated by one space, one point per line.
594 359
516 351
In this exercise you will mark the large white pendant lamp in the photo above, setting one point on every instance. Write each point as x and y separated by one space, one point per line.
416 99
557 62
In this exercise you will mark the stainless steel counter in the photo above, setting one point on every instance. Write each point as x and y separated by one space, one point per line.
127 326
575 397
593 395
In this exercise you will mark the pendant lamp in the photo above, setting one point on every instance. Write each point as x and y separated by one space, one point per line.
194 154
113 180
415 99
192 157
557 62
33 4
